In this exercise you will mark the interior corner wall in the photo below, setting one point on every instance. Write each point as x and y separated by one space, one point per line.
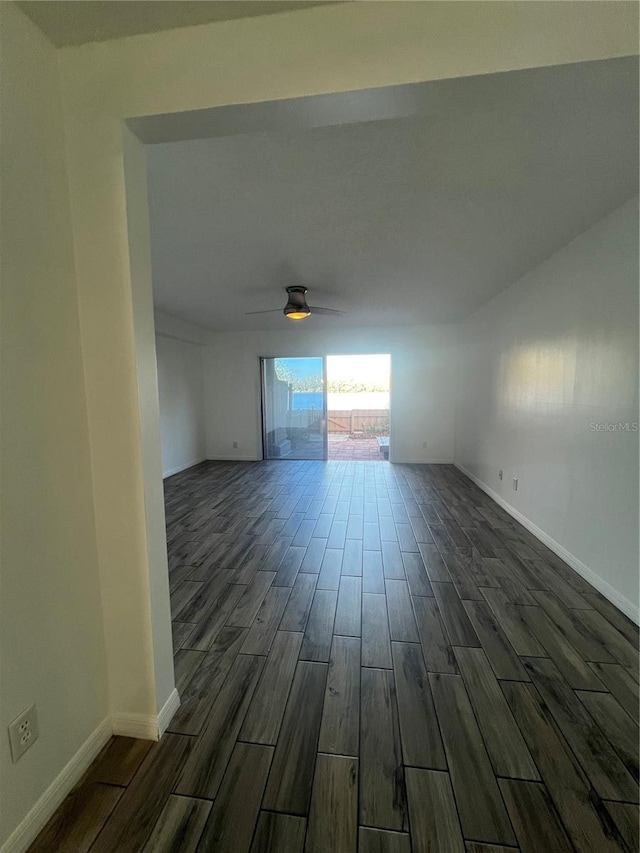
548 392
423 373
181 394
51 629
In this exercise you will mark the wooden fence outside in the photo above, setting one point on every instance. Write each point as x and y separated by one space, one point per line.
357 420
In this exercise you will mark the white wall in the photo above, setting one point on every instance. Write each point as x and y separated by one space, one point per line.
181 395
423 373
51 630
554 353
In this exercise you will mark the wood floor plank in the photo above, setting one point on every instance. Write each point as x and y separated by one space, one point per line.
454 616
183 595
402 624
355 528
260 637
275 555
179 633
304 533
205 767
337 534
434 563
582 813
482 812
613 641
501 654
513 624
371 536
376 642
264 717
406 537
383 841
419 730
79 819
137 811
382 785
289 784
372 572
432 809
534 818
436 648
625 817
316 644
619 621
573 667
200 604
333 814
571 625
290 566
313 556
417 577
249 604
251 563
197 699
119 760
236 808
298 607
213 622
506 747
179 826
279 833
392 564
567 595
340 727
618 727
461 576
185 664
331 569
349 609
598 759
621 684
352 557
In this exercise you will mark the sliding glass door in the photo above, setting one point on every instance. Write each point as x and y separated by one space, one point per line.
294 408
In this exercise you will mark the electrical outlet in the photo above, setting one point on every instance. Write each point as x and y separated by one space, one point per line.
424 445
235 445
500 474
515 484
23 732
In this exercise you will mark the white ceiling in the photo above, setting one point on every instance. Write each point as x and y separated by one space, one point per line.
68 22
419 219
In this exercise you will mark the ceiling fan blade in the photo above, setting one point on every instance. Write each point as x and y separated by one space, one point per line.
270 311
328 311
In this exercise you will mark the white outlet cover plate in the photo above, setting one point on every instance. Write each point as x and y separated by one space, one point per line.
23 732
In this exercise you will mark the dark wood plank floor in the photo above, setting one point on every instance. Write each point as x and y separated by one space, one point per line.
371 657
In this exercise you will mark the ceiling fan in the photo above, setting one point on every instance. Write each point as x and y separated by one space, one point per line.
297 308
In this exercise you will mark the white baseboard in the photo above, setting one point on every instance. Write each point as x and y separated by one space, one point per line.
146 726
25 833
421 461
181 468
167 711
609 592
233 459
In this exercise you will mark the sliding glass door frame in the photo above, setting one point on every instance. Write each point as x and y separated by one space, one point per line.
263 397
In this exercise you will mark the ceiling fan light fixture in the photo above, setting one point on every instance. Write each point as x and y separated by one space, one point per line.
297 308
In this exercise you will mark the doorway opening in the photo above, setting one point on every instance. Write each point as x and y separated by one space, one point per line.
358 407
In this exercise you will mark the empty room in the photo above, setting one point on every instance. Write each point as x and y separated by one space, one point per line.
320 426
